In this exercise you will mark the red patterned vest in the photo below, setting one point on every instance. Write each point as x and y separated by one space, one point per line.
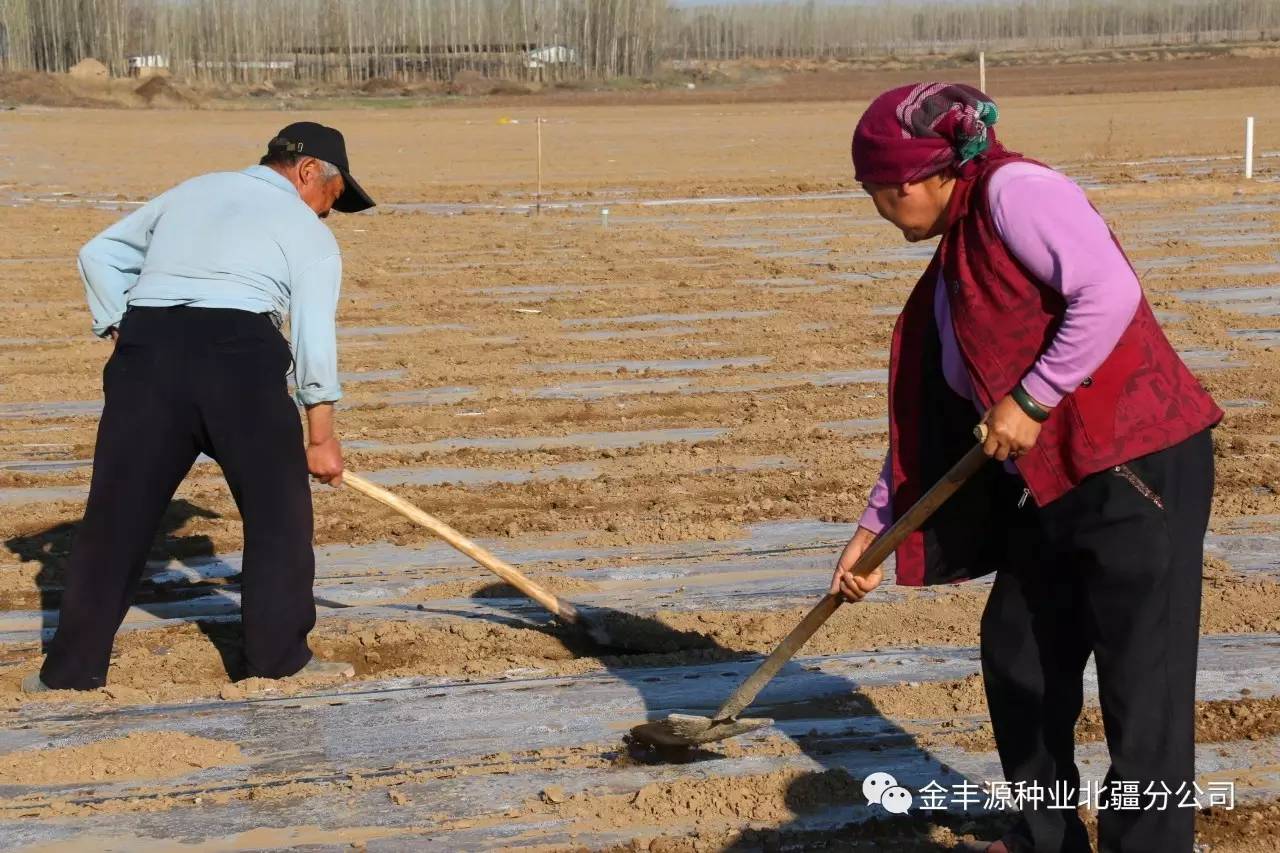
1140 400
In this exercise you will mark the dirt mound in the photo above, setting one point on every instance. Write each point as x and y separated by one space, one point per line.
88 89
163 92
265 89
392 649
469 83
90 69
382 86
426 88
45 90
510 87
140 755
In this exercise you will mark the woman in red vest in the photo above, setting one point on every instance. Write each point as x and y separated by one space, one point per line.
1031 319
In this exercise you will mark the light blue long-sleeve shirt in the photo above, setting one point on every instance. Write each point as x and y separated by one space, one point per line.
242 240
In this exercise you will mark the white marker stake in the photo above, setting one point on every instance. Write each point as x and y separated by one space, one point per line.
982 70
538 204
1248 148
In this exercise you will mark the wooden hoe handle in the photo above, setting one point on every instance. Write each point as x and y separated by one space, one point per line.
877 552
552 602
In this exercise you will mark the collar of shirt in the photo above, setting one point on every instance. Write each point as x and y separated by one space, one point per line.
271 176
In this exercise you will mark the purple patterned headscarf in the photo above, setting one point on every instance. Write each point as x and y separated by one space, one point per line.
910 133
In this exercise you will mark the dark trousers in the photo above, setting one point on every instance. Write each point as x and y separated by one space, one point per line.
1112 568
184 381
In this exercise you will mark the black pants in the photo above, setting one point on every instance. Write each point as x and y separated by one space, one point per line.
184 381
1112 568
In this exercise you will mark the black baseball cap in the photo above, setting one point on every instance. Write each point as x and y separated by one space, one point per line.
309 139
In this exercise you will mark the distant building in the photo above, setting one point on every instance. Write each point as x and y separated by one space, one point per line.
546 56
249 64
143 65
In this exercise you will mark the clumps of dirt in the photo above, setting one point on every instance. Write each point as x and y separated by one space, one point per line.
1239 604
936 699
160 91
652 636
626 529
465 647
46 90
38 547
471 83
743 813
724 801
473 648
20 587
978 738
138 755
186 662
939 832
1217 721
174 664
381 86
1247 475
39 88
190 661
166 664
1216 570
483 588
947 619
1238 719
89 69
269 788
1244 829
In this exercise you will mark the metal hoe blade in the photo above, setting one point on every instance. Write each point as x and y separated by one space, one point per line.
692 730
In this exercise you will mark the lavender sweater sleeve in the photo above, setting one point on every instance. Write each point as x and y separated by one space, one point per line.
1047 223
879 512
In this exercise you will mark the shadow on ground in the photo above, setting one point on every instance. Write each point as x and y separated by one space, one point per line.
640 644
52 549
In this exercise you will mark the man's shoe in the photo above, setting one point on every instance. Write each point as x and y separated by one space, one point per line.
33 684
317 668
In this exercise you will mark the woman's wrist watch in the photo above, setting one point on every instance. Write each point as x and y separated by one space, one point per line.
1028 404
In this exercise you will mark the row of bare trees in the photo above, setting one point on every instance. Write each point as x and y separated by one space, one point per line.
230 40
816 30
353 40
45 34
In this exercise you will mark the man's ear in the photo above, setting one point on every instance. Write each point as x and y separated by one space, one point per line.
308 167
